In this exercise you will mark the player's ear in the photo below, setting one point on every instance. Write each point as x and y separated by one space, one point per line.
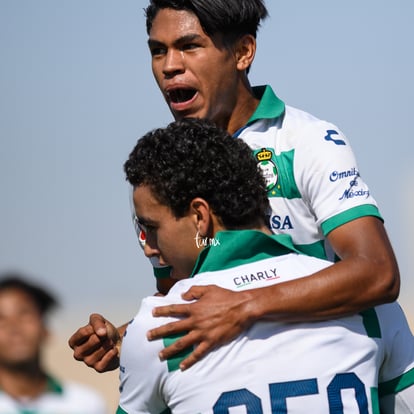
202 216
245 51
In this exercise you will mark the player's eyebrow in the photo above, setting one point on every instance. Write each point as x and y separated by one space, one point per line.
154 43
191 37
141 220
145 221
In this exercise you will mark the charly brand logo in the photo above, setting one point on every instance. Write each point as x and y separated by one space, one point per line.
329 134
247 279
205 241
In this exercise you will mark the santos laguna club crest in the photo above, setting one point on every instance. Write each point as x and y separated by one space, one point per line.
268 167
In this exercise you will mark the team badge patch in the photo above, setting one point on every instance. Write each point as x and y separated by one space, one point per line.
268 167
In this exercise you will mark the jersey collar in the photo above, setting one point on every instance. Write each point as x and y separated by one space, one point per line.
270 106
236 247
52 385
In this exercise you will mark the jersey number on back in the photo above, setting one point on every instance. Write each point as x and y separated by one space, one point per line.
279 392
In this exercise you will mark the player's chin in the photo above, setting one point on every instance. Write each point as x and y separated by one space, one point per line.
191 112
180 115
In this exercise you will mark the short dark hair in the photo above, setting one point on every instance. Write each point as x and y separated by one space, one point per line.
231 18
43 299
195 158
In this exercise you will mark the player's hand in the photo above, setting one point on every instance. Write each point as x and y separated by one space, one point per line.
97 344
214 319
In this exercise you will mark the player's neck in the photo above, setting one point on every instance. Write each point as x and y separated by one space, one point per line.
23 383
243 110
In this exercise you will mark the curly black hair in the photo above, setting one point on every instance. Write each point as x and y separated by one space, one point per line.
43 299
194 158
231 18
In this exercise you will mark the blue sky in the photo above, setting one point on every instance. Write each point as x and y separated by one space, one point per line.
76 91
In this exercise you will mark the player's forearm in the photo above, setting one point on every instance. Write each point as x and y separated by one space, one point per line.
344 288
367 275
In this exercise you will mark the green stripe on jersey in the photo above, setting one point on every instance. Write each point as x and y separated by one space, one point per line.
316 249
371 323
398 384
375 401
121 411
173 363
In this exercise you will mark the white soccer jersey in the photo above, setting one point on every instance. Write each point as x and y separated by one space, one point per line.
67 398
313 180
323 367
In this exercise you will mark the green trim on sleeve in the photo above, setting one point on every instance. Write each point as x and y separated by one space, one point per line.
397 384
349 215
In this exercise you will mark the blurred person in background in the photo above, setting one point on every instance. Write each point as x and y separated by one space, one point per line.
25 386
